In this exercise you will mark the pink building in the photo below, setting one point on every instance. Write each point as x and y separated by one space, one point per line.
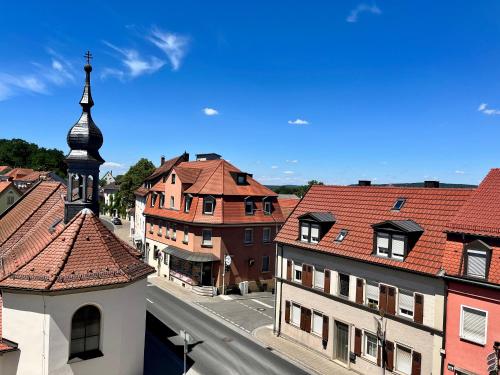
472 267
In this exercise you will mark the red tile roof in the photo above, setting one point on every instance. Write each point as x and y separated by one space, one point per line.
18 173
480 215
288 205
166 167
357 208
4 168
141 191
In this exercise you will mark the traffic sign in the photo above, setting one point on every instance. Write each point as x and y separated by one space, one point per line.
227 260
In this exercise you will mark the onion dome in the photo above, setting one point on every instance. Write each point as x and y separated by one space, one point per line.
84 138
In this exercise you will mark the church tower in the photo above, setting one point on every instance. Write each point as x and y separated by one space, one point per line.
84 140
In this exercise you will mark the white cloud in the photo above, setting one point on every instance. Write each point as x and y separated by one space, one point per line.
111 72
488 111
298 121
210 111
11 85
134 62
362 8
112 164
459 172
295 161
274 167
173 45
288 172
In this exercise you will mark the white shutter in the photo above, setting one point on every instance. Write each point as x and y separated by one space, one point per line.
403 360
317 323
398 246
372 290
405 300
296 314
314 233
476 263
319 279
382 243
304 232
474 325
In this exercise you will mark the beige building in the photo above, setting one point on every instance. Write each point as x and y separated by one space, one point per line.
9 194
358 276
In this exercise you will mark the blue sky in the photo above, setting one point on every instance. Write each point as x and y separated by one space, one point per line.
391 91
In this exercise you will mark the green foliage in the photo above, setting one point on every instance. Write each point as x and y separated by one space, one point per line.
131 180
21 154
299 190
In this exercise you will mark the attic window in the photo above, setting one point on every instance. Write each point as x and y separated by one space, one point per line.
398 205
391 245
208 205
309 232
173 178
249 206
268 206
153 199
477 256
342 234
241 178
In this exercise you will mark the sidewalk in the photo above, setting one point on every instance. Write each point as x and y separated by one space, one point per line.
184 294
298 354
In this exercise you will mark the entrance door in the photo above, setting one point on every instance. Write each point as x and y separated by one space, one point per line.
341 341
206 276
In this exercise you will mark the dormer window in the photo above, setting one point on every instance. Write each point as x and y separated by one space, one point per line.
477 258
268 206
398 205
314 225
172 202
392 238
187 203
208 205
162 200
153 199
249 206
173 178
241 178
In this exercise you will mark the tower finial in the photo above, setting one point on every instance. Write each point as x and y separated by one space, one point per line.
88 56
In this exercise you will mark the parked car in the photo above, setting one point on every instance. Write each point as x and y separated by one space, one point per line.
116 221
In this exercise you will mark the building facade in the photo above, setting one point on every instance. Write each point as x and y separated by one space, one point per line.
71 293
9 194
359 276
205 211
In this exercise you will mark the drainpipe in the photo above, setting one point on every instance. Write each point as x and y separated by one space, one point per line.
280 291
444 325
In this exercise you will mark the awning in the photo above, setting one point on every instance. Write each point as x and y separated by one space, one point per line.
191 256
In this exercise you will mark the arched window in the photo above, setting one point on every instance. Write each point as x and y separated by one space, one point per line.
85 333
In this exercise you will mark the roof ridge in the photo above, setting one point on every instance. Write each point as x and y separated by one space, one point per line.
67 251
32 212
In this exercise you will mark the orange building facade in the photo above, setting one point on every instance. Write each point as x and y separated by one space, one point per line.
203 212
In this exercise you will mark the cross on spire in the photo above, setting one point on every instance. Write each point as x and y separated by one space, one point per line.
88 56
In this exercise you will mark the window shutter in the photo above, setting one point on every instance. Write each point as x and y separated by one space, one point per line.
391 300
304 274
379 360
416 363
382 301
326 288
418 315
476 263
326 328
398 246
287 311
359 291
308 320
303 318
357 342
289 270
474 325
389 355
304 232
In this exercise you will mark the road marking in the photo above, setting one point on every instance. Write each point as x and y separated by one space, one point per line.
147 299
262 303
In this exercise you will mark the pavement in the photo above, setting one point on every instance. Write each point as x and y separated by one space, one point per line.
218 347
121 231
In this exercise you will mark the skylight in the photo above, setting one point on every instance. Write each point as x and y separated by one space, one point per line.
342 234
398 205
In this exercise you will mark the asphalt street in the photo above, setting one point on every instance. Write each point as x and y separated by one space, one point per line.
217 349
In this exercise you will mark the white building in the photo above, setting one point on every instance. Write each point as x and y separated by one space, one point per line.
72 294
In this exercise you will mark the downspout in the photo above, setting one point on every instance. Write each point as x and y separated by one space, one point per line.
443 347
281 291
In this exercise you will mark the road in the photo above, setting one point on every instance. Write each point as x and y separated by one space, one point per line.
218 349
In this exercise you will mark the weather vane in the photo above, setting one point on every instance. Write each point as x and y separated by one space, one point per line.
88 56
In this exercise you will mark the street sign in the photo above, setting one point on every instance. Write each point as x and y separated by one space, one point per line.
186 336
227 260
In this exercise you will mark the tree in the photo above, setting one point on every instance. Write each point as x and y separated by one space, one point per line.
132 180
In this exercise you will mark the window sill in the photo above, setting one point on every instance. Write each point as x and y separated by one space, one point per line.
85 356
185 242
248 243
207 245
265 271
267 242
472 342
208 213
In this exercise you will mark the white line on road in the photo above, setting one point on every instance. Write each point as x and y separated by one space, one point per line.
147 299
262 303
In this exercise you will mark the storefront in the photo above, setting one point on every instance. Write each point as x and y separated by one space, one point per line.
190 267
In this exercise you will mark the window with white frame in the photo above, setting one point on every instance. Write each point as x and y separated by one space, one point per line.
297 272
267 207
159 228
473 325
208 205
372 293
476 263
371 346
317 323
207 237
309 232
343 285
403 359
248 206
314 233
167 230
405 303
319 278
187 203
304 232
186 234
174 231
153 199
398 246
295 314
162 200
248 235
172 202
266 234
383 244
173 178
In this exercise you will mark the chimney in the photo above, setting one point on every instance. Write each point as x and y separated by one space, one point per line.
364 183
162 160
209 156
431 184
